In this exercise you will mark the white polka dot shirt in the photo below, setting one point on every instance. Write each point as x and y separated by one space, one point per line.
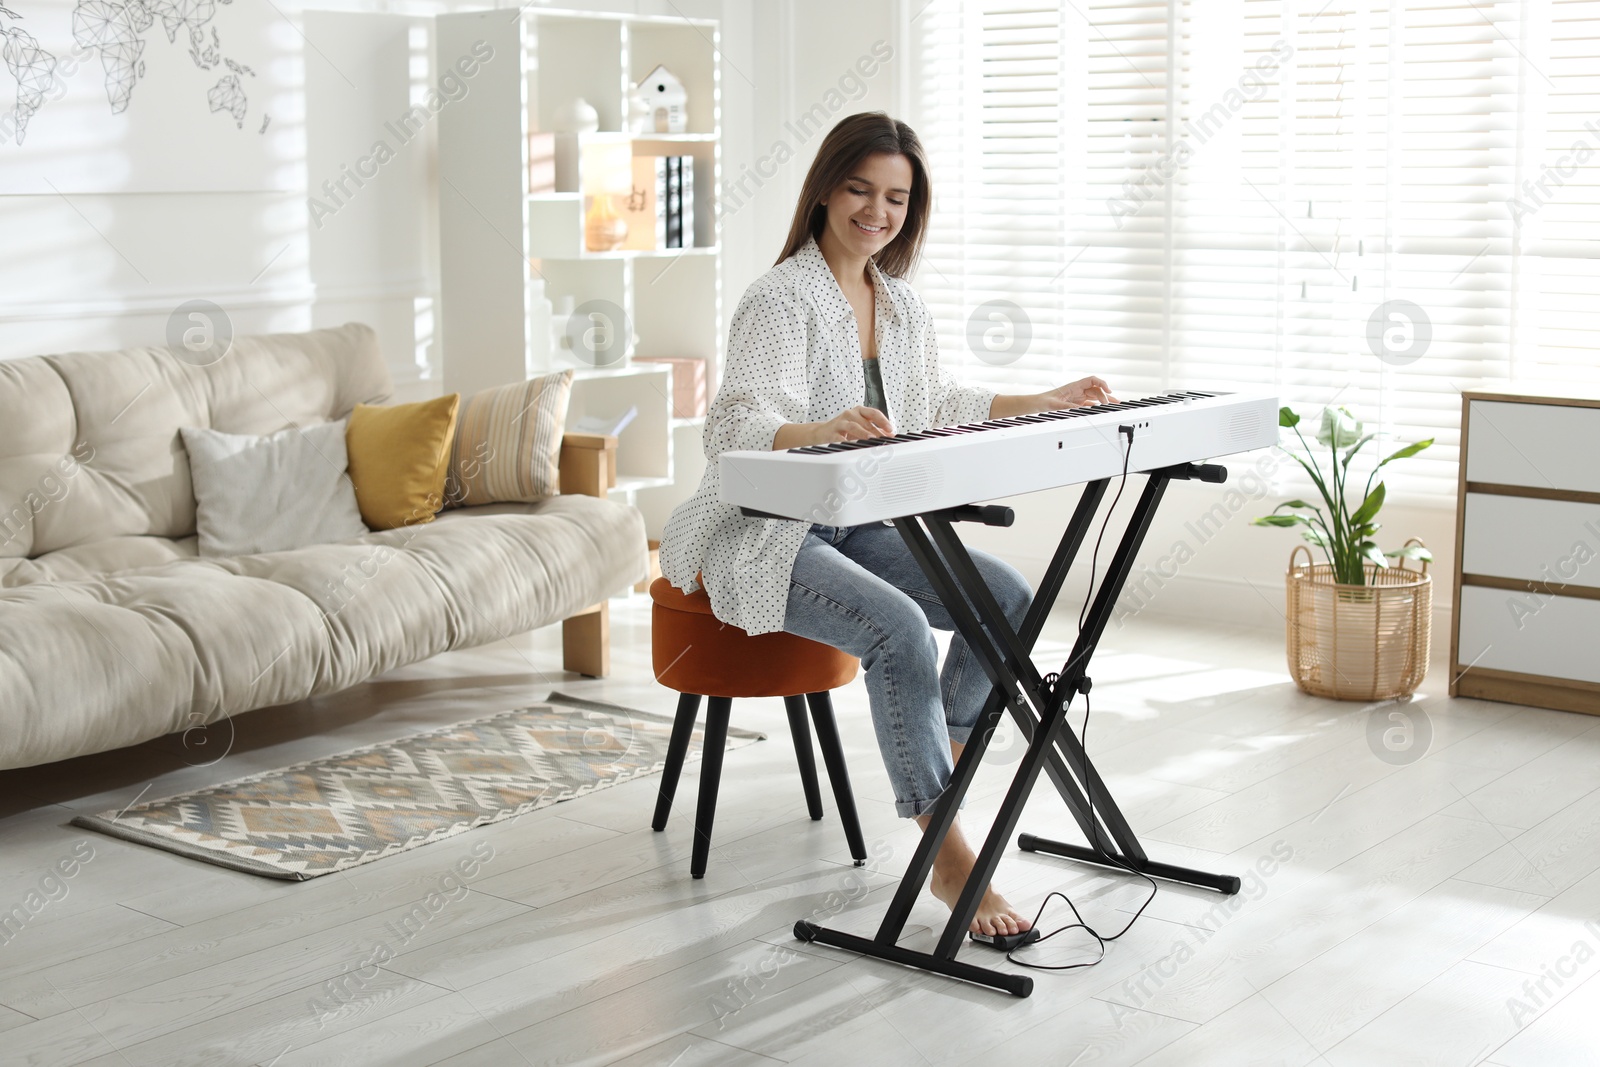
794 355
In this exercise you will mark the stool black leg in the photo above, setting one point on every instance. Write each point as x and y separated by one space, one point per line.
800 728
716 743
838 773
682 727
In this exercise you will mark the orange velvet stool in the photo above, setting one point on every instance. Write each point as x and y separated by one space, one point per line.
698 655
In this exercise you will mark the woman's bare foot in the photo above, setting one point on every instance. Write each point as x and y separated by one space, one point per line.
950 870
994 916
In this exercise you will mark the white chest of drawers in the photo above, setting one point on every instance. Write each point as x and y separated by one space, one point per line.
1526 625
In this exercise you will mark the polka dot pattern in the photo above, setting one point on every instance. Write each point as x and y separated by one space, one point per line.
794 355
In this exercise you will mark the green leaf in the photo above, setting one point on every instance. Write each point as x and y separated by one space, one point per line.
1281 520
1287 418
1357 447
1369 507
1412 552
1315 537
1407 452
1296 504
1315 474
1370 551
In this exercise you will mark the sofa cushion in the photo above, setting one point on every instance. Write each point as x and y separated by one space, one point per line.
115 416
271 492
97 559
100 663
508 443
399 456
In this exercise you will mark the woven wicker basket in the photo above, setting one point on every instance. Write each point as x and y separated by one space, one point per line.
1358 642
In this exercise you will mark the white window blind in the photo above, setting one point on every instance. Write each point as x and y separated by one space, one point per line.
1222 193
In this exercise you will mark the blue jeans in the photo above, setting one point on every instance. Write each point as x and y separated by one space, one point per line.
857 588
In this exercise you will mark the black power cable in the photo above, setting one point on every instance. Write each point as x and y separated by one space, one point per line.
1088 782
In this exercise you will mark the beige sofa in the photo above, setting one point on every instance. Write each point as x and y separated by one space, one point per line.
113 631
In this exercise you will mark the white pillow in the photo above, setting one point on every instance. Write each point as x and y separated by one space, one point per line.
271 493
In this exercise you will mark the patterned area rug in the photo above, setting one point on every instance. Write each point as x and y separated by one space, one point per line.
341 811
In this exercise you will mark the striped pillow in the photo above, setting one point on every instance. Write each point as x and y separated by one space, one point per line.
508 443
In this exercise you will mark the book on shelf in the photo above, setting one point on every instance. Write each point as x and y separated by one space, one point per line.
674 209
638 208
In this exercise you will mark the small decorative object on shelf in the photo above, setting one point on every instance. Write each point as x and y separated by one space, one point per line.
641 117
577 116
689 394
603 229
560 346
665 99
607 174
541 315
1358 629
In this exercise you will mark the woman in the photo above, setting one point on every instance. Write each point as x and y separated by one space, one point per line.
832 344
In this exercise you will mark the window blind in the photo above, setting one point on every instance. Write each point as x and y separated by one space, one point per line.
1372 204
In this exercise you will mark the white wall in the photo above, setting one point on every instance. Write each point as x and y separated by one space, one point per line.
112 221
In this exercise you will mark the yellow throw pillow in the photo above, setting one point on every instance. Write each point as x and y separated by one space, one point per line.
399 455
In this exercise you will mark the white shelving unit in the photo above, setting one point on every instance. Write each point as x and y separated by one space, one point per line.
496 238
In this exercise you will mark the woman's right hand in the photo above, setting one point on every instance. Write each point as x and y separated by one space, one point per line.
854 424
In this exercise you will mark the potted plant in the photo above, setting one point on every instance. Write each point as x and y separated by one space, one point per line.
1358 629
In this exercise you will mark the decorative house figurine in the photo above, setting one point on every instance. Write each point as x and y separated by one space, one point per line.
666 98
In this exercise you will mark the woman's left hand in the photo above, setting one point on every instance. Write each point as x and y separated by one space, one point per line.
1080 393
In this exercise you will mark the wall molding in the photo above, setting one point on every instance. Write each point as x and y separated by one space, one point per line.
352 293
305 295
115 307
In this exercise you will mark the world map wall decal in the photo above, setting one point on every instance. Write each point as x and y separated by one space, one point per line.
116 33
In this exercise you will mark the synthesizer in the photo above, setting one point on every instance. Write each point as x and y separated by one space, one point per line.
851 482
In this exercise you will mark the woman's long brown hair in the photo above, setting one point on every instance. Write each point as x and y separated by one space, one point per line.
842 150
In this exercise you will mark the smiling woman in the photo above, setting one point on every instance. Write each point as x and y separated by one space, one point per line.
833 344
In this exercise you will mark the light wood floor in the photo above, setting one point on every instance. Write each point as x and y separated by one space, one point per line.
1430 911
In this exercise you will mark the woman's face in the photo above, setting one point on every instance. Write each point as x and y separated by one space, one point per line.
867 209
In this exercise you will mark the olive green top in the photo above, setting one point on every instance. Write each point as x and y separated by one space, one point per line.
875 397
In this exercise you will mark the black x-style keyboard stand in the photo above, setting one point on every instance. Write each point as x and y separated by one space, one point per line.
1040 711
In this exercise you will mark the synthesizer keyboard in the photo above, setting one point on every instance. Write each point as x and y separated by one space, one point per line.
851 482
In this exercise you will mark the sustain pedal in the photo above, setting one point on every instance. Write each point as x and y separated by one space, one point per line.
1006 942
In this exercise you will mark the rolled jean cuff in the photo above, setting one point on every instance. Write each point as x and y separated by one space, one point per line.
960 734
910 809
